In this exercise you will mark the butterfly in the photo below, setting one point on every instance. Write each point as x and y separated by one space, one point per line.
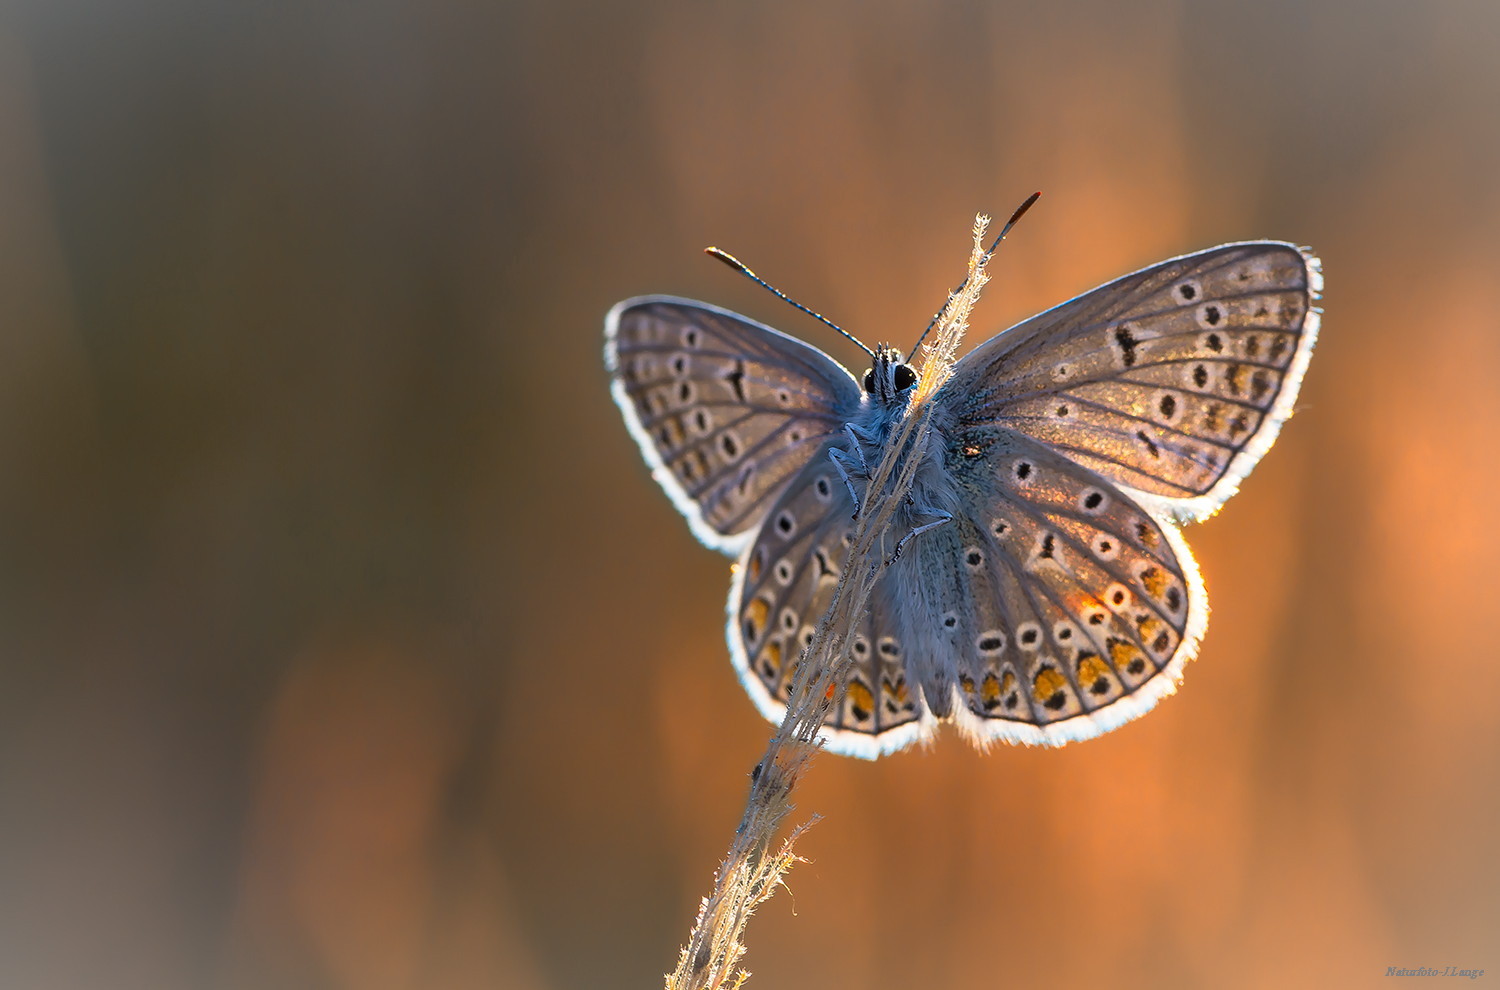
1045 594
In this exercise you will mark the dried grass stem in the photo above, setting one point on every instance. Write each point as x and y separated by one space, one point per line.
752 870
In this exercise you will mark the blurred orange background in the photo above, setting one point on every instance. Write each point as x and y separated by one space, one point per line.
346 642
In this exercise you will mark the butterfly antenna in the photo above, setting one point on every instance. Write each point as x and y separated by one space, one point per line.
1020 212
739 266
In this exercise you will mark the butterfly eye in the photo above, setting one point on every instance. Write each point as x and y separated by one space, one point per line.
905 377
870 380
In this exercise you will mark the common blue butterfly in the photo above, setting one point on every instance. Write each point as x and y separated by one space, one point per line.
1049 596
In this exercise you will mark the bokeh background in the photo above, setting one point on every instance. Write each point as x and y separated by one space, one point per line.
346 643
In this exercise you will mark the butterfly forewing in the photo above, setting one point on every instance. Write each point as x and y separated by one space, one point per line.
724 409
1173 380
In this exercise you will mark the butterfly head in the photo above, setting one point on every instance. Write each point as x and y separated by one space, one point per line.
890 378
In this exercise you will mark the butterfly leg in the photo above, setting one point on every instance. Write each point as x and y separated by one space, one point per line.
857 440
941 517
839 457
844 462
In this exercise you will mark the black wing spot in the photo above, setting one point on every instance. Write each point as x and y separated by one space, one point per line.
1151 446
1214 342
1168 406
1023 470
1212 315
1127 342
1188 291
1056 701
736 379
1260 384
1200 375
1048 542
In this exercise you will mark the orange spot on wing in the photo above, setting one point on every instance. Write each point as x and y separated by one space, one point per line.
861 698
757 611
1046 683
1154 581
989 690
1090 669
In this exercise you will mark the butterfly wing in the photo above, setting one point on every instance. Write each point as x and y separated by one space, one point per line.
1051 608
724 409
1067 608
783 587
1173 380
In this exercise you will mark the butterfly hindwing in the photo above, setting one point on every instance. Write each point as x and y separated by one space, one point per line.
1173 380
782 587
1082 607
725 410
